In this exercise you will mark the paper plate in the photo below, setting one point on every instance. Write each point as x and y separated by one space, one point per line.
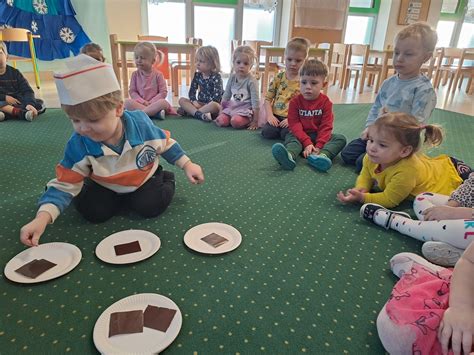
149 244
192 238
65 255
150 341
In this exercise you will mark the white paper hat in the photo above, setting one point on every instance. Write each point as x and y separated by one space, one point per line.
84 79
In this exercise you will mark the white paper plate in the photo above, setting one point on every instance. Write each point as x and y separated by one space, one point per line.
149 244
150 341
192 238
65 255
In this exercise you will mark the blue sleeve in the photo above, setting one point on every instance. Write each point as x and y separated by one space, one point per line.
173 154
218 88
424 103
193 88
57 197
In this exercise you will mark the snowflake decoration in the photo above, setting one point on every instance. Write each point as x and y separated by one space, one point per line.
34 26
40 7
10 3
67 35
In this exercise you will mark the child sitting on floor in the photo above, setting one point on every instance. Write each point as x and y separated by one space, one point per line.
241 98
112 159
208 81
93 50
284 86
148 88
394 167
17 98
408 91
430 309
447 222
310 119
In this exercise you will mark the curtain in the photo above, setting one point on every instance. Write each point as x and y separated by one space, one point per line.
321 14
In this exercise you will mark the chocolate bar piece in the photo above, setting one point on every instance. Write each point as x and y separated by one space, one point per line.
126 323
127 248
214 239
35 268
158 318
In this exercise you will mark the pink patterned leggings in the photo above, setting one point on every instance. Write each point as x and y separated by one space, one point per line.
236 121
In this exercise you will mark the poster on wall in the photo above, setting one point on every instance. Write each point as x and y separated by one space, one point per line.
321 14
412 11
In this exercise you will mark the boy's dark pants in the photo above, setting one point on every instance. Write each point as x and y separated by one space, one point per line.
98 204
330 149
353 153
272 132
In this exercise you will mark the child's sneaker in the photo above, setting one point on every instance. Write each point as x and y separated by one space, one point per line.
2 116
441 253
180 111
161 115
320 162
403 262
27 115
283 156
379 215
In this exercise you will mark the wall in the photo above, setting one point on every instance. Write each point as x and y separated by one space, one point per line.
388 17
124 18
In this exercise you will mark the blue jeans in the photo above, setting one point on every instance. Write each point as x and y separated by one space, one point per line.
354 152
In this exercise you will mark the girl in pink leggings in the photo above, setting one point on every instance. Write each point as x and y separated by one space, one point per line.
240 100
148 88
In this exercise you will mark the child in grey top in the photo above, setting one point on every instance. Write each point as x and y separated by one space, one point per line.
240 101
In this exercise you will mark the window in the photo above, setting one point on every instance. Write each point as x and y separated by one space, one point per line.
445 32
361 21
362 3
258 24
168 19
449 6
455 24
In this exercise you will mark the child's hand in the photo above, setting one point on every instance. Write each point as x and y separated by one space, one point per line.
352 196
11 100
253 125
439 213
309 149
146 103
193 173
32 109
458 326
365 134
273 120
284 123
30 233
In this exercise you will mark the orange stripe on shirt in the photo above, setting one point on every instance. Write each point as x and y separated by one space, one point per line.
127 178
67 175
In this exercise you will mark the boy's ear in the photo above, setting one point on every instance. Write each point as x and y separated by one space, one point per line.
119 110
406 151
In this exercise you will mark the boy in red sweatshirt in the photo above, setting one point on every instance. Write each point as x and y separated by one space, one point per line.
310 119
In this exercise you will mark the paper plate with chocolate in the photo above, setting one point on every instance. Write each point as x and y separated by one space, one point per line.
42 263
146 323
129 246
212 238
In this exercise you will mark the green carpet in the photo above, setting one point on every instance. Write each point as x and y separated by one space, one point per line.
309 276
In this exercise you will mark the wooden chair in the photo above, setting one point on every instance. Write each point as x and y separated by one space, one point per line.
457 72
234 44
430 68
447 66
365 68
328 47
22 35
338 61
178 65
259 67
152 38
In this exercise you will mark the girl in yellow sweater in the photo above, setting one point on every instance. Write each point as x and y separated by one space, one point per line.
393 167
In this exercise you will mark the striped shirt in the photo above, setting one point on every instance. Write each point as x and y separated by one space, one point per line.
122 173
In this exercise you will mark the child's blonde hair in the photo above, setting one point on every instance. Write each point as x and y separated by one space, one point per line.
3 47
150 49
93 50
298 44
211 55
407 130
244 50
314 67
423 31
96 107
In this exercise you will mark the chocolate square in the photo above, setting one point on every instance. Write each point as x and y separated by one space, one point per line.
127 248
214 240
126 323
158 318
35 268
